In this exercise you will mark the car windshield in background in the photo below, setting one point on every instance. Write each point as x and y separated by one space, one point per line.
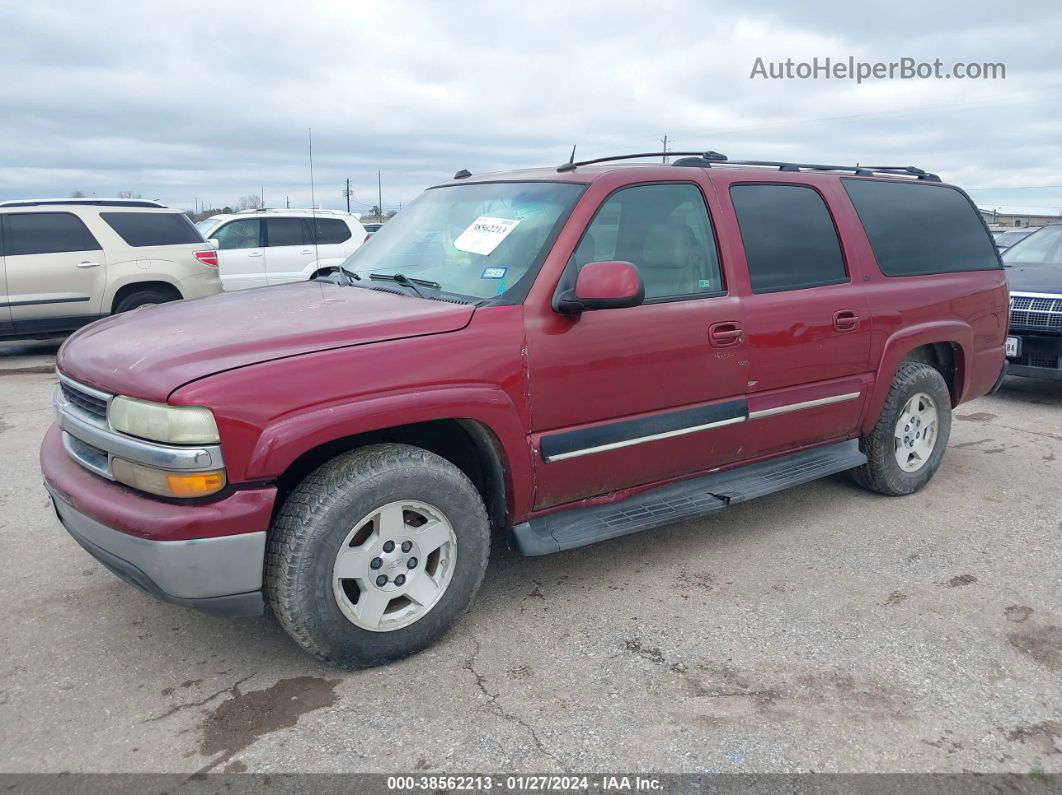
480 240
206 225
1042 246
1012 236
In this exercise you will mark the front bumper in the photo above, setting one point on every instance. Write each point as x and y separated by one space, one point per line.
1040 356
221 576
208 556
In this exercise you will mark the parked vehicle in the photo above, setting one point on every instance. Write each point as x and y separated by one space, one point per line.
1008 238
67 262
1034 272
260 247
372 229
565 355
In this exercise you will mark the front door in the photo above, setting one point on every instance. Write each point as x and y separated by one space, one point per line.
622 397
807 320
56 271
241 253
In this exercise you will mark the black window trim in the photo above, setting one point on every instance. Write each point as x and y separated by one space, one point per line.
106 215
567 281
957 189
6 237
836 231
263 231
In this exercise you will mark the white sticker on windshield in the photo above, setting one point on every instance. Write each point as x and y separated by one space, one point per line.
485 234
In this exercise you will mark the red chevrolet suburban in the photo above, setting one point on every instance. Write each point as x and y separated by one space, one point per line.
565 355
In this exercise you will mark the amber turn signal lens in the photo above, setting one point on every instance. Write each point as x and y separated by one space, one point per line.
196 485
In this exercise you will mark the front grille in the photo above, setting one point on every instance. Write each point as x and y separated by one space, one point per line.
1036 312
90 404
1040 361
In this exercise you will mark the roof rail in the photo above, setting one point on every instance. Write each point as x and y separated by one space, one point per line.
94 202
318 210
709 159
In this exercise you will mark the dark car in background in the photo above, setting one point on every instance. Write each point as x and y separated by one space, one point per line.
1034 274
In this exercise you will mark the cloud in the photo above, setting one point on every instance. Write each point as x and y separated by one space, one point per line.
211 101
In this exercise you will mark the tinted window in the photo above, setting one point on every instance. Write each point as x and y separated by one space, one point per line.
284 231
329 230
47 233
153 229
916 228
238 234
789 237
664 231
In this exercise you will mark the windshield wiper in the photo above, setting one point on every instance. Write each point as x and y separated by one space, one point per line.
405 281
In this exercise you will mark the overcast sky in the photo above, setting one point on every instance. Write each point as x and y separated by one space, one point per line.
212 101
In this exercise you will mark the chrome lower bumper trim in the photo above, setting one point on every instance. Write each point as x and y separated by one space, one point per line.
177 570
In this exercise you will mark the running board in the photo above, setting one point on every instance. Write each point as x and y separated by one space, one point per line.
687 499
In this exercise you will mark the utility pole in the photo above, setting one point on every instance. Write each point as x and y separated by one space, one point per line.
379 196
346 192
287 202
263 195
664 141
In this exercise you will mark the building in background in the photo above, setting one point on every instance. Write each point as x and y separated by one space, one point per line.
1008 217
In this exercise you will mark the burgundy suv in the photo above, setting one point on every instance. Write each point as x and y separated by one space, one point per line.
565 355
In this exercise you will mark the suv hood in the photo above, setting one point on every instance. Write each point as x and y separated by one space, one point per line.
148 353
1034 277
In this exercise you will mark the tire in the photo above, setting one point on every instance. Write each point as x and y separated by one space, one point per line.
893 440
139 298
342 515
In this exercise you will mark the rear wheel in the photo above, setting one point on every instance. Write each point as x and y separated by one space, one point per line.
147 297
906 446
376 553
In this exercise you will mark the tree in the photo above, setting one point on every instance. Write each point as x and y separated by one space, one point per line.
375 211
392 213
252 202
78 194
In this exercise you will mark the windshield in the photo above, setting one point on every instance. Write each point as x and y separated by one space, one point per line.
1013 236
1042 246
480 240
206 225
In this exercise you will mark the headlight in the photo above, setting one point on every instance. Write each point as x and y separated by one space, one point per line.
162 423
167 484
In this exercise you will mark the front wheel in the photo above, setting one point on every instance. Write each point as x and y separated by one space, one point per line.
376 553
906 446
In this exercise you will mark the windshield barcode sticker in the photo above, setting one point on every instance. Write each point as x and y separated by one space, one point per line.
485 234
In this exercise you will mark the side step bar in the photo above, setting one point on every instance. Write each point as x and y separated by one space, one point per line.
676 502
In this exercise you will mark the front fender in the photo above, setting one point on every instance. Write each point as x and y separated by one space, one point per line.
287 438
956 333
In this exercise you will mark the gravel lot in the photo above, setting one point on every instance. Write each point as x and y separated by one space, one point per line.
822 628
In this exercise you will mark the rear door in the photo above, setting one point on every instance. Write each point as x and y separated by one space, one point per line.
5 310
807 318
241 253
289 249
56 271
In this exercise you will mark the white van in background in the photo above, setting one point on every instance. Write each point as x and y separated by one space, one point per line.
273 246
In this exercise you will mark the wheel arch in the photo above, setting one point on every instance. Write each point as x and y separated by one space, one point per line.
136 286
946 346
468 444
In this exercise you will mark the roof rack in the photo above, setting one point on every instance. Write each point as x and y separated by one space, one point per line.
95 202
709 159
318 210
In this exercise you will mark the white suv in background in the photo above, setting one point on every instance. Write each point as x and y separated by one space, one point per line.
272 246
67 262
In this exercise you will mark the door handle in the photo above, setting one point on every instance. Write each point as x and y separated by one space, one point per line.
306 251
723 335
87 264
255 254
845 320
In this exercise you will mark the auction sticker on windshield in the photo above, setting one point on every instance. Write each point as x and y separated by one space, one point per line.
485 234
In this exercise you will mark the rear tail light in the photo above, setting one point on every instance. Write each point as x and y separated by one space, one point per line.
367 236
208 257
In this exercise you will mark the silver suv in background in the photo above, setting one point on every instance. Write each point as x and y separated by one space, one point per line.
67 262
271 246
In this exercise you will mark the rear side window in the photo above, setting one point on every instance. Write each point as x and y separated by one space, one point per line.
329 231
46 233
153 229
917 229
284 232
789 237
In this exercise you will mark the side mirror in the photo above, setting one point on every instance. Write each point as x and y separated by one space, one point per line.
603 285
214 243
